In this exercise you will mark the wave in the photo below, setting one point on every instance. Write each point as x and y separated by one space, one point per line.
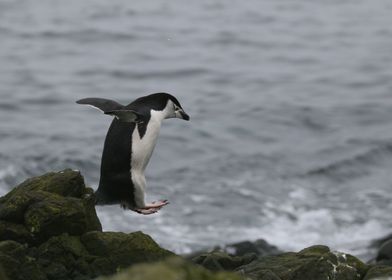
355 166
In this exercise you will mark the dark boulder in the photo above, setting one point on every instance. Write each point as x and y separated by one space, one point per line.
316 263
218 260
384 255
259 247
379 272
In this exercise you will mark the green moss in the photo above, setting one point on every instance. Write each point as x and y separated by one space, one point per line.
124 249
171 269
65 183
55 215
12 231
314 251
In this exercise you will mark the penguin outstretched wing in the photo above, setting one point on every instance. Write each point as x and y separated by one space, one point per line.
110 107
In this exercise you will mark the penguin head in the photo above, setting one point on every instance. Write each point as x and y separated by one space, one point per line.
175 109
162 102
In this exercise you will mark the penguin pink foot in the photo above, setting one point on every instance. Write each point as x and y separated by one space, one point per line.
152 208
157 204
146 211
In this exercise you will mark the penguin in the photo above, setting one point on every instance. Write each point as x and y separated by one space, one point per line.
128 147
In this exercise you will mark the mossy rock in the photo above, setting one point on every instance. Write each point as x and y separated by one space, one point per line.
119 250
68 183
47 206
379 272
64 257
316 263
17 264
218 260
54 215
171 269
12 231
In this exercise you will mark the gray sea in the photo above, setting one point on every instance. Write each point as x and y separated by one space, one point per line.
290 137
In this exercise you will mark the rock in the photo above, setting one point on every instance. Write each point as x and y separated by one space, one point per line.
379 272
46 206
384 255
218 260
16 262
171 269
316 263
17 232
245 250
63 257
67 257
49 230
124 248
67 183
116 250
259 247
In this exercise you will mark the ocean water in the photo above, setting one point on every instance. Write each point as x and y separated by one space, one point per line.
290 137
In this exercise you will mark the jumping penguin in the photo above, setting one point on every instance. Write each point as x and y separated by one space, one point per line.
128 147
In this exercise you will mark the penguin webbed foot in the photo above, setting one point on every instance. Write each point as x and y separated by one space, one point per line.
157 204
152 207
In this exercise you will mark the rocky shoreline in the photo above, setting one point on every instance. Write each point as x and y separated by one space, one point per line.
49 230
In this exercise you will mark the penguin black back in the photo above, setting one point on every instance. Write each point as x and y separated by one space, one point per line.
116 183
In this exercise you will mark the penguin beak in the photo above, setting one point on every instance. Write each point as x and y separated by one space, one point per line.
185 116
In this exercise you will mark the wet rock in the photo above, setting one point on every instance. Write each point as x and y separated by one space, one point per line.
316 263
379 272
171 269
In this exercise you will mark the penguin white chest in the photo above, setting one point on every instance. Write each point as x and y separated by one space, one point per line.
142 147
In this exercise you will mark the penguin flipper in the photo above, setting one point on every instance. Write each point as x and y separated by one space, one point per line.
110 107
125 115
102 104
